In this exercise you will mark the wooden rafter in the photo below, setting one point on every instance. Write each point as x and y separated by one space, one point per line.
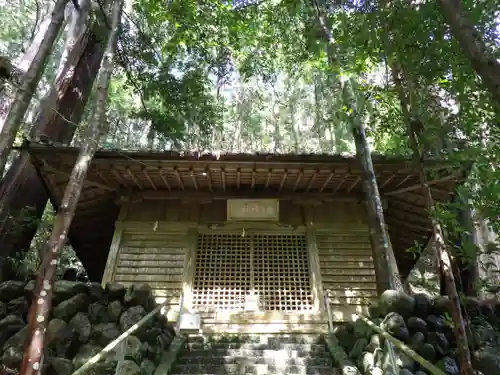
193 178
419 186
327 181
269 175
179 179
253 178
298 179
164 178
223 178
146 174
311 181
238 177
354 183
87 182
132 177
341 182
283 179
209 178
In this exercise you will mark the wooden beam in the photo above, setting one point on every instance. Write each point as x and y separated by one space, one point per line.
88 182
240 194
419 186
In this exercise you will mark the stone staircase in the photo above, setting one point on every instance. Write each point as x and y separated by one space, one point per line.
254 355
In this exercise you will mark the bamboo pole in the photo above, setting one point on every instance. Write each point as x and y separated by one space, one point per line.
434 370
92 361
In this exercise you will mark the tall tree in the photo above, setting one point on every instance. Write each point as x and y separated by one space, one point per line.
29 83
385 262
42 298
480 57
415 128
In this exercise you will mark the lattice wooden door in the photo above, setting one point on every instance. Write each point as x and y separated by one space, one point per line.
231 267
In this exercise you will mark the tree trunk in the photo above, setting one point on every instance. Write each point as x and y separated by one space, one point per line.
21 187
473 46
30 81
445 265
42 298
386 267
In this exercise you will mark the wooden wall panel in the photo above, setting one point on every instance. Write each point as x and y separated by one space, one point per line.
347 269
155 258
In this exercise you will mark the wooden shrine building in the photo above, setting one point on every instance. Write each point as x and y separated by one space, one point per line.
248 241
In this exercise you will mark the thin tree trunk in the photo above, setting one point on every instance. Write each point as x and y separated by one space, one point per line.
42 300
473 46
27 89
386 267
408 108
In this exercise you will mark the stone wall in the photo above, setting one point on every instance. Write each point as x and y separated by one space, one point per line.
424 325
84 319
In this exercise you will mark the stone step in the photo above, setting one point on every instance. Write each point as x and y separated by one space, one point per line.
258 339
270 360
292 353
312 348
259 369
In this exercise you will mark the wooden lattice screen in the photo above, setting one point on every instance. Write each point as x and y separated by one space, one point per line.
230 267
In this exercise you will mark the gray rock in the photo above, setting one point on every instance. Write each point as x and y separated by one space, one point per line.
396 326
423 305
12 357
68 308
346 336
436 323
416 324
428 352
441 305
98 313
59 336
115 309
61 366
17 339
11 289
114 291
420 372
406 362
130 368
104 368
439 342
148 367
487 360
449 366
138 294
103 334
131 316
65 289
358 348
133 349
405 371
86 352
29 289
8 326
375 310
80 323
417 340
18 306
361 330
398 302
3 310
96 292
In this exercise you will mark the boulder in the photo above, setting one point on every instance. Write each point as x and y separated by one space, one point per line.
131 316
436 323
12 357
416 324
65 289
148 367
376 342
366 362
18 306
139 294
396 326
441 305
130 368
68 308
115 309
449 366
417 340
96 292
428 352
133 349
61 366
80 323
397 302
439 342
3 310
8 326
17 339
85 353
114 291
11 289
487 360
358 348
59 337
98 313
103 334
423 305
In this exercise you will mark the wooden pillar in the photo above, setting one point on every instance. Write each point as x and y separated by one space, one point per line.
114 249
189 270
314 265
